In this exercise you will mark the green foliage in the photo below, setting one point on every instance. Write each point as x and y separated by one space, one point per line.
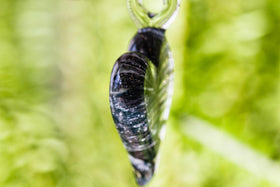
232 70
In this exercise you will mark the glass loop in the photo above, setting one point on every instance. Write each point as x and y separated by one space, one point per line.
144 18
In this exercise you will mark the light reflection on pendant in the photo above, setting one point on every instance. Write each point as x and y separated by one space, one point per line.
140 97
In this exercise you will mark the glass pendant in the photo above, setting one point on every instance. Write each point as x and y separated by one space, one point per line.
141 89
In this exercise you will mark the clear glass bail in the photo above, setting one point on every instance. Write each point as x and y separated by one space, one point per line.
145 18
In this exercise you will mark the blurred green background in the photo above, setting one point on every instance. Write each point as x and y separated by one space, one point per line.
55 123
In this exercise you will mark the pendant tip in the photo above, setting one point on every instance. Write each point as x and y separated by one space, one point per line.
143 171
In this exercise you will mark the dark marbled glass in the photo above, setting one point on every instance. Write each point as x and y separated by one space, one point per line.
140 98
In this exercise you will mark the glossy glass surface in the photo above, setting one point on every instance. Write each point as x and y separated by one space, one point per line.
140 98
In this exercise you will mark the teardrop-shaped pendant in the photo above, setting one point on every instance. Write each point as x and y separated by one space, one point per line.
140 98
141 87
